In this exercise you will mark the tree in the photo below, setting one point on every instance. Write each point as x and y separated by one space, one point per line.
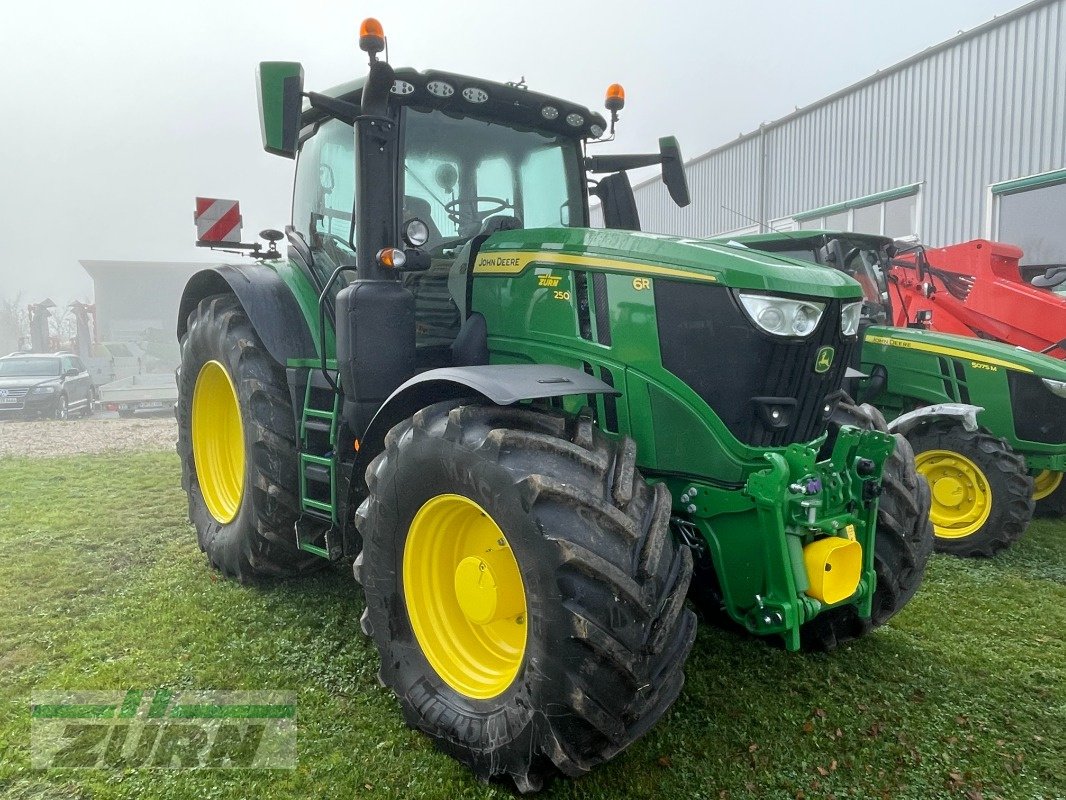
14 323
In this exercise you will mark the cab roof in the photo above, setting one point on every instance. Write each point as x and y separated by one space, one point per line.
509 103
806 237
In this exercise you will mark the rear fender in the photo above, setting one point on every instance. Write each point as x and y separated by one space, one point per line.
265 298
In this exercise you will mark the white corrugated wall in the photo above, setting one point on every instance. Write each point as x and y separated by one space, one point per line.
985 107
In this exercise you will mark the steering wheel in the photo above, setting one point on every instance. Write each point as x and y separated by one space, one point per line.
498 205
875 312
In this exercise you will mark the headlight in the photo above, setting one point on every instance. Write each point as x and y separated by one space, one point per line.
44 389
415 232
782 316
1056 387
850 313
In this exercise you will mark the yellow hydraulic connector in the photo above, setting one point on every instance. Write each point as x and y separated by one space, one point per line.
834 566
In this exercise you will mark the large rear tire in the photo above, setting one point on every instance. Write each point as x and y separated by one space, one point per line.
982 493
237 443
585 557
902 545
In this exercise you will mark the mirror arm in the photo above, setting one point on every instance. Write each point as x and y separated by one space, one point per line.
338 109
619 163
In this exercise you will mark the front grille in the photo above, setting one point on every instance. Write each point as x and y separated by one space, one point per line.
708 341
1039 413
7 395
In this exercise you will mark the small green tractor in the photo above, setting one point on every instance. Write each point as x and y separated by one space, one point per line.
986 420
528 437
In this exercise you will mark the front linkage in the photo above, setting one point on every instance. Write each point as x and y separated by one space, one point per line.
816 522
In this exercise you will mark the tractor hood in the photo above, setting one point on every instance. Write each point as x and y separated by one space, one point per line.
655 255
980 351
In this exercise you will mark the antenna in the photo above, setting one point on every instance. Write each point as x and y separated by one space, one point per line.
757 221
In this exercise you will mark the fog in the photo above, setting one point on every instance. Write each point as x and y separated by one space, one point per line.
116 114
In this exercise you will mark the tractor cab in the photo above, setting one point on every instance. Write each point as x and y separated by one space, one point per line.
403 175
466 158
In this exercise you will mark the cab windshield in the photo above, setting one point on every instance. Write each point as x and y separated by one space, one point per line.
458 172
863 263
461 177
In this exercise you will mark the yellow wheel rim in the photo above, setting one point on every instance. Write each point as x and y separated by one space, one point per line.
218 441
465 596
1045 483
962 496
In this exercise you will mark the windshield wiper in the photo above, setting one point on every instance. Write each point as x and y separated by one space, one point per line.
422 183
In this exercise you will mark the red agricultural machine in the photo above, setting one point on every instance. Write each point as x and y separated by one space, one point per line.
977 289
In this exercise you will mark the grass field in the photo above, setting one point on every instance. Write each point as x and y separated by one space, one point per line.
102 586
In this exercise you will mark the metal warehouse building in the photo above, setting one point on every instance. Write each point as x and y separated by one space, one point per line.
964 140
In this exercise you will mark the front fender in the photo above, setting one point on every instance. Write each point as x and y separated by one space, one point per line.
501 384
966 414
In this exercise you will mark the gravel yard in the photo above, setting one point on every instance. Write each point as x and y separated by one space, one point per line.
95 435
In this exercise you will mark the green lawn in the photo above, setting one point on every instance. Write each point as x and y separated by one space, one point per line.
102 587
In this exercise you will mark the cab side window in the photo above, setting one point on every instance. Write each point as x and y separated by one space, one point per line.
323 203
66 363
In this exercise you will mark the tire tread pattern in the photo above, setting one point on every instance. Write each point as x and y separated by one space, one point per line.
623 632
260 542
903 540
1012 490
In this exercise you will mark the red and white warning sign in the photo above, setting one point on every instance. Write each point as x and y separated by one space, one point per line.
217 220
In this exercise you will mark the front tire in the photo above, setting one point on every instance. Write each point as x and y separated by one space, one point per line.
902 545
601 595
981 491
1050 494
237 443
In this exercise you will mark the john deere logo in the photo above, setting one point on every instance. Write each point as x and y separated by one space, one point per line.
825 359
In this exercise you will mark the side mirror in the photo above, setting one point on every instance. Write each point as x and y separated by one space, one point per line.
922 263
446 176
279 86
70 373
674 170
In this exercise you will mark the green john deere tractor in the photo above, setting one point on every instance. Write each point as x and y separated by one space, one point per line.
525 435
987 421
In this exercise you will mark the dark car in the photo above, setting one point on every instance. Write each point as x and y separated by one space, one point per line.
44 385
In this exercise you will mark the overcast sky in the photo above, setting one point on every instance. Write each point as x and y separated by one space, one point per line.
116 114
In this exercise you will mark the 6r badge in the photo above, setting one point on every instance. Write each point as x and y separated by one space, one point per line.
824 360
